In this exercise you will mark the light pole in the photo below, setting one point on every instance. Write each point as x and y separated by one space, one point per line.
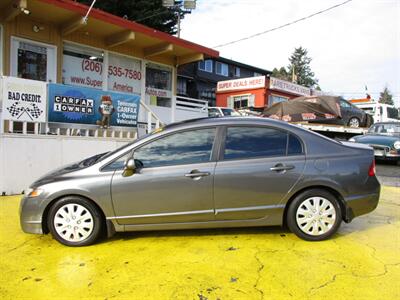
185 6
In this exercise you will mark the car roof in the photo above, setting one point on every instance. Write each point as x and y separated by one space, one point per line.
229 121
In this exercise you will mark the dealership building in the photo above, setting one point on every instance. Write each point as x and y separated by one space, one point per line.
76 82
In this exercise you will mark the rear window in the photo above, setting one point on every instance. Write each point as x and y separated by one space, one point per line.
253 142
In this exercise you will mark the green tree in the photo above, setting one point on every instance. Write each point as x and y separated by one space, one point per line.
386 97
281 74
147 12
300 66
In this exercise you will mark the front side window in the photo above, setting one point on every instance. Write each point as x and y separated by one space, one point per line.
256 142
393 113
221 69
189 147
344 104
206 65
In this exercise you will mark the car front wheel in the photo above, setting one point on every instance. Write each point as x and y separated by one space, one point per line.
75 221
314 215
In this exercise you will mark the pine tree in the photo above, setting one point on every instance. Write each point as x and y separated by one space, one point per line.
281 74
300 62
147 12
386 97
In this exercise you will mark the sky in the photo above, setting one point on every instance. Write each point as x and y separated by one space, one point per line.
352 47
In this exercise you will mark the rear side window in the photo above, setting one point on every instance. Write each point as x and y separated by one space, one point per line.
294 145
252 142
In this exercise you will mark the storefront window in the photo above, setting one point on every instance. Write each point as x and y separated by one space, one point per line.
240 102
124 74
158 85
276 99
31 60
82 66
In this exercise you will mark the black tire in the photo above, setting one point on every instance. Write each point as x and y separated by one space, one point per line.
299 200
354 122
95 215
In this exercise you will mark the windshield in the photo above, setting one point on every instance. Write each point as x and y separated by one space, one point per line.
230 112
385 129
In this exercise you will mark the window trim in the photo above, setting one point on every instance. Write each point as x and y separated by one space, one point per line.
288 133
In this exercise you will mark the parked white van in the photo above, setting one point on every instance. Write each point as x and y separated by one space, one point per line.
380 112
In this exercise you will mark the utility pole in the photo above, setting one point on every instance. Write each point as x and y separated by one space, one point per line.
180 6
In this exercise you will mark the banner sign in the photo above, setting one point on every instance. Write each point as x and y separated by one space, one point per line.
72 104
241 84
24 100
286 86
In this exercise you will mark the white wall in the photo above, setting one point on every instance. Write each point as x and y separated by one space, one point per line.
25 158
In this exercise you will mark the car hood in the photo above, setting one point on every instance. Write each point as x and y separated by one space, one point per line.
386 140
60 173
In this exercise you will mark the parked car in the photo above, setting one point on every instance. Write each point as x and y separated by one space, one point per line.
352 116
222 112
208 173
384 138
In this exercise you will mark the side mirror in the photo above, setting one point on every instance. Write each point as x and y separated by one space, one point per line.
130 165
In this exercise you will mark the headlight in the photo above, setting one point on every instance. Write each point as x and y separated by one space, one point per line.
352 140
32 193
396 145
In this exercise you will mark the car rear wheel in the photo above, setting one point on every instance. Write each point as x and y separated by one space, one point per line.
314 215
354 122
75 221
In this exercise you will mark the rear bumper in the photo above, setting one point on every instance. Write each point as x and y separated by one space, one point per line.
360 205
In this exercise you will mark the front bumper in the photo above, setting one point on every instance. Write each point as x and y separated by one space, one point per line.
30 215
383 152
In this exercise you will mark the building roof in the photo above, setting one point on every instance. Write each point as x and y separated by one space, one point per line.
242 65
68 15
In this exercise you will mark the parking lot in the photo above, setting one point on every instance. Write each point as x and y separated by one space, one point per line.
362 261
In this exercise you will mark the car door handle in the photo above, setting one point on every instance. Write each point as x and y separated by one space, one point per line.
197 174
280 167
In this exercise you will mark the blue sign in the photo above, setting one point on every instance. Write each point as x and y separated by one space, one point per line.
81 105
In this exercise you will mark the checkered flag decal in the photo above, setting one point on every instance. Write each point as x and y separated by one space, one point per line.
34 111
15 110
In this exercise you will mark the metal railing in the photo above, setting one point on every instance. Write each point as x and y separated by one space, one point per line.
191 104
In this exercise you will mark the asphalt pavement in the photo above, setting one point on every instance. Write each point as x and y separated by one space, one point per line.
388 173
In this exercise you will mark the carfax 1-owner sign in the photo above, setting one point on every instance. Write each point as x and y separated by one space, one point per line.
80 105
24 100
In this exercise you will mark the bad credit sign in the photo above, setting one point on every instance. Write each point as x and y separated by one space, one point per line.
241 84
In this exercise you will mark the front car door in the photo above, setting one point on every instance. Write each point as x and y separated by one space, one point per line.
173 181
257 168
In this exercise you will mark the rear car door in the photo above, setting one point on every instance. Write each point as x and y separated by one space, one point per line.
173 181
257 167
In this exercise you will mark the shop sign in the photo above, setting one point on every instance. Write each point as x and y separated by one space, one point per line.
241 84
24 100
286 86
72 104
124 74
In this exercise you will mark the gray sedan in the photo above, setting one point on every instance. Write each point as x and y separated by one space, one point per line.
208 173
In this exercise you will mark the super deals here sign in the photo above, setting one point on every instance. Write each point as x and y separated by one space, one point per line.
241 84
24 100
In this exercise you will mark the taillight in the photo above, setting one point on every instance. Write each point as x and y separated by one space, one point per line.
371 171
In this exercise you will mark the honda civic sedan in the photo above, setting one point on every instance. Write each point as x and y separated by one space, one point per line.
207 173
